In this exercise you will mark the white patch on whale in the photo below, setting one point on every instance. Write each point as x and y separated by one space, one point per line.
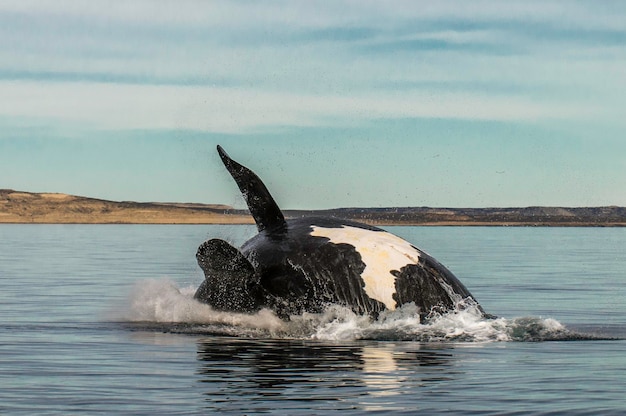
381 252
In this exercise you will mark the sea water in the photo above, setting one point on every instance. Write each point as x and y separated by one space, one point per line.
99 319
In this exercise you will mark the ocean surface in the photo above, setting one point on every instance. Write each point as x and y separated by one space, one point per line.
99 319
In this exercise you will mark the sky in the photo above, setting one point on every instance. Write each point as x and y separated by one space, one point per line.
332 103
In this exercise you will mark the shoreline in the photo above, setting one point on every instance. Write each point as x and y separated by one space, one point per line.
17 207
374 223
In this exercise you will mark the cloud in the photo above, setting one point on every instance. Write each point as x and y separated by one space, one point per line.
114 106
237 66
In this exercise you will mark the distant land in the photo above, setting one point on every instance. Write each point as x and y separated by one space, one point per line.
54 208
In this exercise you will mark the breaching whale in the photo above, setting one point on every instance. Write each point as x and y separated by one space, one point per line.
305 264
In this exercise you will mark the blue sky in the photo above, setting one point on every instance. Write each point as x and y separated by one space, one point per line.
332 103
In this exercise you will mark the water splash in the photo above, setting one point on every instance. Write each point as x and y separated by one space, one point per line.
161 305
162 302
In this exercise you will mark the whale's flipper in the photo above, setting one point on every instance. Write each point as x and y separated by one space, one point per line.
229 278
262 206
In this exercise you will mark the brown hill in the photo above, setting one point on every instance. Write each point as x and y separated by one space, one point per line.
27 207
610 216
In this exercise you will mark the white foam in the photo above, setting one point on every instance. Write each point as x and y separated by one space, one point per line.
160 301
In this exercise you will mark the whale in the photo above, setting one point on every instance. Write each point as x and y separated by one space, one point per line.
305 264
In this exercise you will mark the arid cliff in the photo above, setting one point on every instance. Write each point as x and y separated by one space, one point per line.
51 208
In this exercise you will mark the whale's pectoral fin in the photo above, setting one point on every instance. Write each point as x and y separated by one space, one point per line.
217 256
262 206
229 278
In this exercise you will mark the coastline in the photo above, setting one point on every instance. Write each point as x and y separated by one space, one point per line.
17 207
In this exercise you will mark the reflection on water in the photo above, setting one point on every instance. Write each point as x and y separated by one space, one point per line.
249 375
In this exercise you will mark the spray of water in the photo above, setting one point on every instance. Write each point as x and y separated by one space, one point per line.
161 305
